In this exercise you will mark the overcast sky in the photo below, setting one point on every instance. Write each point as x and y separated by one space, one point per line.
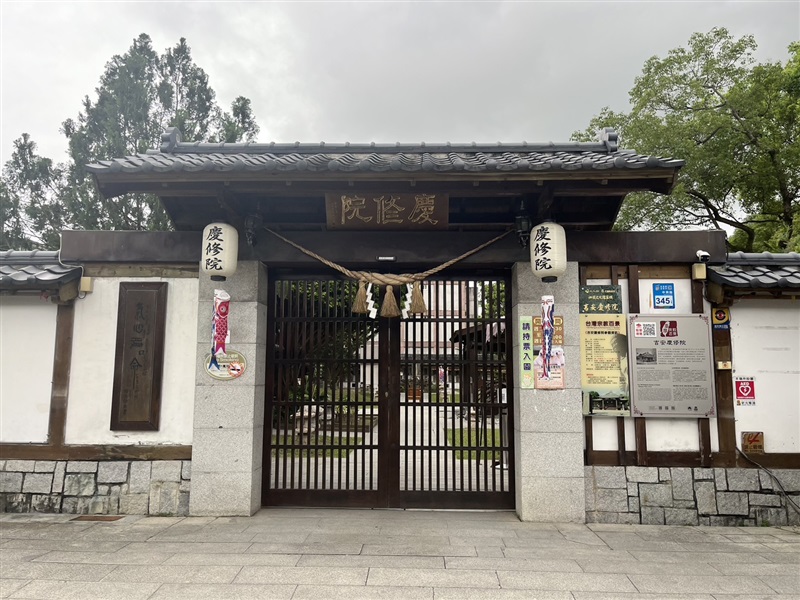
371 71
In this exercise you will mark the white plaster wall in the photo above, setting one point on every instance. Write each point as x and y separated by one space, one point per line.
92 377
662 434
765 335
27 347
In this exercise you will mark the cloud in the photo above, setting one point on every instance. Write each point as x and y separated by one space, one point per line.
377 71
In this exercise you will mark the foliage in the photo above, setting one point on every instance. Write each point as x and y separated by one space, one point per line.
140 94
736 123
466 439
320 353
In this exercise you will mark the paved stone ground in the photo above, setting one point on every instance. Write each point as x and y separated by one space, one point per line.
323 554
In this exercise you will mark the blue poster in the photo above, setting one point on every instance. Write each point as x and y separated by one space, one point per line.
663 295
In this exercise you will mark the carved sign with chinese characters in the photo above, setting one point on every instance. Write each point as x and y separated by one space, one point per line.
387 211
141 321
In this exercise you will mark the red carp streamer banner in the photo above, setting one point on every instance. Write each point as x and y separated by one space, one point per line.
548 328
219 327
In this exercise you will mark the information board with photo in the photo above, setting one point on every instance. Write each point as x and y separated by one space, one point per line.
604 365
671 366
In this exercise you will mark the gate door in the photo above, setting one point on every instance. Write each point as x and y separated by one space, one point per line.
377 412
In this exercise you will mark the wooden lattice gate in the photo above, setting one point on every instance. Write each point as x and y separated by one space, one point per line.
377 412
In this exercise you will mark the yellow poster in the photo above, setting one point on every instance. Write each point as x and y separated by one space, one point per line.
604 364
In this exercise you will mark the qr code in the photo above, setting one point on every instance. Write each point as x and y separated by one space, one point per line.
645 330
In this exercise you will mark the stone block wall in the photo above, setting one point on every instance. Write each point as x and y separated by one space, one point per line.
122 487
690 496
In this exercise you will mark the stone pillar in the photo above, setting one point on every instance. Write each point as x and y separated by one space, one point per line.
229 415
548 424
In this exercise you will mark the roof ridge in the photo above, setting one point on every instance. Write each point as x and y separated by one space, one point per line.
172 143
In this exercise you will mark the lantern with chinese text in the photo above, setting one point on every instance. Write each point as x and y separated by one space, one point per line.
220 251
548 244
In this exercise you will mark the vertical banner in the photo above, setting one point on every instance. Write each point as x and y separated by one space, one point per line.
526 353
223 362
549 364
604 365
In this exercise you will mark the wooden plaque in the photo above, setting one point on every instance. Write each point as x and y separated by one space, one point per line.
139 358
389 212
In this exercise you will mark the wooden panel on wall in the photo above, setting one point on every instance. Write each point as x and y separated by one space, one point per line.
139 360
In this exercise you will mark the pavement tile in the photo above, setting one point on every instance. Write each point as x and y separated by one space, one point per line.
19 554
580 582
9 586
104 558
282 560
459 540
432 577
173 574
631 541
782 547
399 562
783 584
194 547
618 596
648 568
728 547
82 590
349 592
599 552
489 551
300 575
759 569
211 536
711 557
81 546
215 591
355 538
417 550
756 597
30 570
720 584
258 548
501 594
513 564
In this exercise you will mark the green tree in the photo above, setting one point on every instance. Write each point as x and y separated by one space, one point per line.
736 123
139 95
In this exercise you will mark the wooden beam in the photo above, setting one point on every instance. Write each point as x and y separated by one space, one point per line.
94 452
62 363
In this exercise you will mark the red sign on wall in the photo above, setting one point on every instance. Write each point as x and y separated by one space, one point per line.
745 388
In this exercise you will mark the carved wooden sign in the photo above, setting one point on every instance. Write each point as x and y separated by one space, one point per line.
139 360
387 211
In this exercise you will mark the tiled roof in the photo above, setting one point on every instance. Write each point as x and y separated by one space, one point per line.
35 270
195 157
758 271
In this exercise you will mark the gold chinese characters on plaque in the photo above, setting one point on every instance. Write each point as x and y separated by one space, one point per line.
387 211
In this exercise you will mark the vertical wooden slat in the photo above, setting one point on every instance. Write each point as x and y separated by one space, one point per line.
621 441
634 306
62 363
641 441
726 423
704 430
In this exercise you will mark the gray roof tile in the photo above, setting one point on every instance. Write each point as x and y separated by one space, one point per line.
758 271
178 156
35 270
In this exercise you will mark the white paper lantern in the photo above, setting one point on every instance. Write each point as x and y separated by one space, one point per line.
548 245
220 251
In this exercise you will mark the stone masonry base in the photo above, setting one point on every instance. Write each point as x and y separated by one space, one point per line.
122 487
690 496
